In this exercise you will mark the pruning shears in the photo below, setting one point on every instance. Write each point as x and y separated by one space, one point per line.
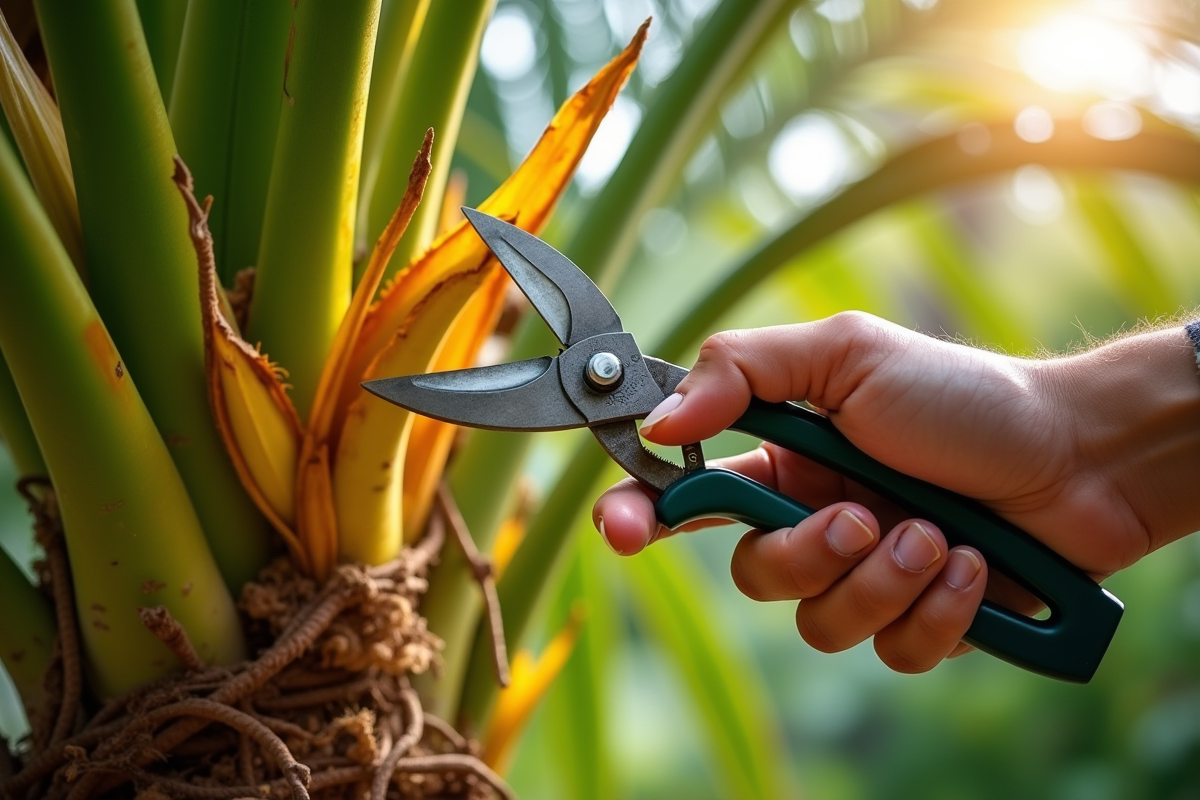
602 381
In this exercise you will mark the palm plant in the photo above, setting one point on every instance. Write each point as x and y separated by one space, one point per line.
902 100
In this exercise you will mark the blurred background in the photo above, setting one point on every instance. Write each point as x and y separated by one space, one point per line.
1019 174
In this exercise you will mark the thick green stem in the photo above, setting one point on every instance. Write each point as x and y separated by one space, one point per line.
132 535
225 113
141 265
162 21
27 634
400 27
677 117
433 95
302 289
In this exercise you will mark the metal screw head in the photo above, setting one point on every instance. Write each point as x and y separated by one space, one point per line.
604 372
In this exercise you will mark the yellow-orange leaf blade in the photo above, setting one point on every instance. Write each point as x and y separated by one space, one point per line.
526 198
369 474
316 521
250 406
404 330
430 440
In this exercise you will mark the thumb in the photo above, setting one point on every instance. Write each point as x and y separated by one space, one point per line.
821 362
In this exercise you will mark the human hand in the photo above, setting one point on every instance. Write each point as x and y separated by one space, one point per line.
1090 454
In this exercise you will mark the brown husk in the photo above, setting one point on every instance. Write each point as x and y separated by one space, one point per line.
325 710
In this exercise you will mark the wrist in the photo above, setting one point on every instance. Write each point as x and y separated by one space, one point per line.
1134 408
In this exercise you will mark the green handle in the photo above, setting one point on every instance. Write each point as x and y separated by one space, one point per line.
1083 616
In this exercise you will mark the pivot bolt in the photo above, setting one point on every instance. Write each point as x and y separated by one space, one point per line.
604 372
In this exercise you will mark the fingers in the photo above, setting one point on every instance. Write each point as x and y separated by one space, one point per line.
932 629
817 361
625 513
806 560
877 592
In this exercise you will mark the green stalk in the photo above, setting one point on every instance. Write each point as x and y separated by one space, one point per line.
934 164
677 117
132 535
224 113
15 430
400 25
27 633
141 265
433 95
302 289
162 22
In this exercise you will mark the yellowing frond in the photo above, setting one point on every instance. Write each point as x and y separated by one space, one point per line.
453 201
430 440
252 411
530 682
317 523
404 330
38 129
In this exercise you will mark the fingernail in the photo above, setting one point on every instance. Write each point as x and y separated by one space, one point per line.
847 534
916 550
662 411
604 535
961 569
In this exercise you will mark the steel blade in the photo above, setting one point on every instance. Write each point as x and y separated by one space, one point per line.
572 306
521 396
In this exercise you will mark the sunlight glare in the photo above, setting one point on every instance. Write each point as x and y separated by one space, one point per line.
1034 124
840 10
609 144
508 50
809 158
1179 88
1077 53
1112 121
1037 195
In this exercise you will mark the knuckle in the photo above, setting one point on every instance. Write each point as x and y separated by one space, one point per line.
855 326
868 600
938 625
725 346
899 660
748 587
818 636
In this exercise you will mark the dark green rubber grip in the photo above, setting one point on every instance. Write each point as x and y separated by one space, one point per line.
1083 616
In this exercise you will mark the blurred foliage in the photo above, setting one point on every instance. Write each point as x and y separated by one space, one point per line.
1028 261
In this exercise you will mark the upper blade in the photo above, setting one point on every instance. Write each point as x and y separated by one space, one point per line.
521 396
573 307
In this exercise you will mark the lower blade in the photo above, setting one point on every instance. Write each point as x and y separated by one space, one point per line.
522 396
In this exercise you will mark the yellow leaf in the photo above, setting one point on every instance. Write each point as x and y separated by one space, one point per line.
37 128
249 403
368 478
453 201
404 330
530 682
430 440
317 524
508 539
526 198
